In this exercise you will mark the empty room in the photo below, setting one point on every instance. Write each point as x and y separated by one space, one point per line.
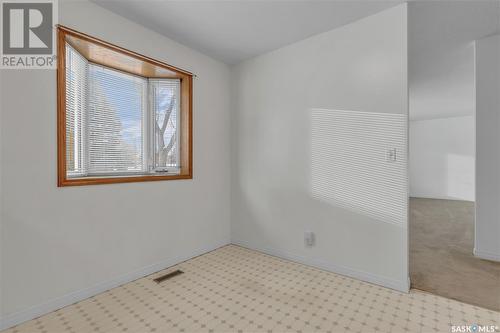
249 166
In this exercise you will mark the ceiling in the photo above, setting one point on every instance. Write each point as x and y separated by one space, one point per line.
232 31
441 35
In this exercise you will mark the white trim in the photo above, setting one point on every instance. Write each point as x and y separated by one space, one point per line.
403 286
76 296
487 255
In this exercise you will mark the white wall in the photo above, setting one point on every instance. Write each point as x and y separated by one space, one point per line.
487 242
361 66
442 103
60 244
442 158
441 38
441 80
441 90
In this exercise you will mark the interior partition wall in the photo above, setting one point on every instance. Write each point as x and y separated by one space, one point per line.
320 146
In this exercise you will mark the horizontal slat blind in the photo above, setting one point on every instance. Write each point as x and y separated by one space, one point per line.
76 92
165 99
116 113
118 123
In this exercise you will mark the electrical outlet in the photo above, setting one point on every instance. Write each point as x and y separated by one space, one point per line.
309 239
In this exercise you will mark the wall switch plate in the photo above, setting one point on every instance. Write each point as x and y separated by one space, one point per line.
391 155
309 239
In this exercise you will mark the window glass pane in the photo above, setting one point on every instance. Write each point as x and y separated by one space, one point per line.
165 104
76 85
116 111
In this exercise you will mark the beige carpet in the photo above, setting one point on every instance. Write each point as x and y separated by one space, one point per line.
234 289
441 258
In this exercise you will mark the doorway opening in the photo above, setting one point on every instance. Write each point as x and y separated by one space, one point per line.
442 151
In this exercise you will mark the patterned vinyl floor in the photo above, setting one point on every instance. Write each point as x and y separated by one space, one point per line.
234 289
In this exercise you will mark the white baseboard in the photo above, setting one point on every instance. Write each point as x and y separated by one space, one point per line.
487 255
403 286
62 301
437 197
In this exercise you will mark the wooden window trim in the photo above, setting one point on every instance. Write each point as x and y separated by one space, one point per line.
165 70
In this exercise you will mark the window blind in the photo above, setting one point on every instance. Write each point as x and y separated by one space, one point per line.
76 85
119 123
116 122
165 100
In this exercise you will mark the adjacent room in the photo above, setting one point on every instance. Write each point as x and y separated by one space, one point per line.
249 166
450 251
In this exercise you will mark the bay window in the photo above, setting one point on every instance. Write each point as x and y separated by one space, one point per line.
122 116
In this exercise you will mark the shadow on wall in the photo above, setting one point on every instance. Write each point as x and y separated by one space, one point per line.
358 162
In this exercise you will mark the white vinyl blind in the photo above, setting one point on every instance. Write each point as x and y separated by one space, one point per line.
165 104
116 122
76 92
